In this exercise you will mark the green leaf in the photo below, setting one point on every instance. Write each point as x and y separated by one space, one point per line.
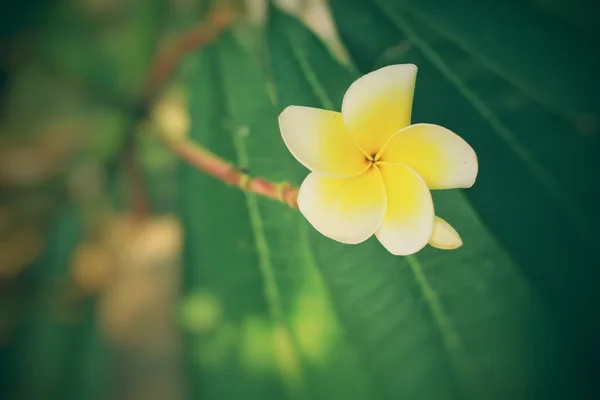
250 255
461 319
465 320
518 87
219 257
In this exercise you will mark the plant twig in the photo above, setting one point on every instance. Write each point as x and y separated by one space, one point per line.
167 61
215 166
195 155
160 71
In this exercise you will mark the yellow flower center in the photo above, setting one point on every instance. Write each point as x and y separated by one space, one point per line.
374 158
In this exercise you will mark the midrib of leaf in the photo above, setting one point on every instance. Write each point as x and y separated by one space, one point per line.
449 336
326 101
498 127
311 259
272 292
491 66
310 75
296 384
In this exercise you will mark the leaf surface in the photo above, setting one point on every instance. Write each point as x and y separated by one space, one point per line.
516 86
256 260
464 319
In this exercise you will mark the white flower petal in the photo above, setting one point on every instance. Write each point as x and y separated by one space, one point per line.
442 158
348 210
379 104
408 222
318 139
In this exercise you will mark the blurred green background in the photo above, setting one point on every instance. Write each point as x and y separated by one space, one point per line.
126 273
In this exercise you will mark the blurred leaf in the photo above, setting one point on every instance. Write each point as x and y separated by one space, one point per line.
578 13
519 88
62 355
109 46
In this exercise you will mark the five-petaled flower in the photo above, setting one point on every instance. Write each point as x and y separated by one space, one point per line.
372 170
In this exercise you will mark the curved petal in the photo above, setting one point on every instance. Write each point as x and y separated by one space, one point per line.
348 210
378 104
444 236
442 158
408 222
318 139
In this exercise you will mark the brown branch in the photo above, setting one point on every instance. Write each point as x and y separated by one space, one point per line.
215 166
160 71
167 61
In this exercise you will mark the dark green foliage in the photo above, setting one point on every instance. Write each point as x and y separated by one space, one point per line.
519 86
464 319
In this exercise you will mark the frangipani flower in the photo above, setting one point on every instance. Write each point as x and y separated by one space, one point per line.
372 171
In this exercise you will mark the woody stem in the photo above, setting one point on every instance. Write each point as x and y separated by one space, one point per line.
218 168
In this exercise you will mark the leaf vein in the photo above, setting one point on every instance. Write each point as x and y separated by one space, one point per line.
450 338
492 66
497 126
311 76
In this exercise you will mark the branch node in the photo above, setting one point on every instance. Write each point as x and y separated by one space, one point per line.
244 182
280 190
